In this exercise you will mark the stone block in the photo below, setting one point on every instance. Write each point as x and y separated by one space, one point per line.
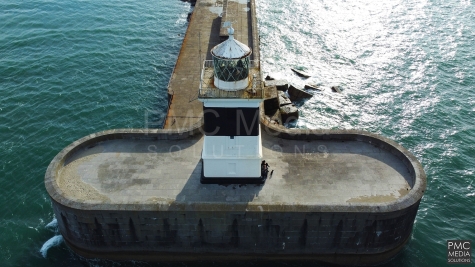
269 78
271 104
336 89
296 93
289 113
283 99
281 85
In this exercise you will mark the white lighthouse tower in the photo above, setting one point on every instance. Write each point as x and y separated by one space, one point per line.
231 93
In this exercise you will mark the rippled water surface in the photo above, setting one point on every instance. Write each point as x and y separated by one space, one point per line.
71 68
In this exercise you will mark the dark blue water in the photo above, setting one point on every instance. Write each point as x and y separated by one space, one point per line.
71 68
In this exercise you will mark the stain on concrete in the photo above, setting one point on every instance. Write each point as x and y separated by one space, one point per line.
72 184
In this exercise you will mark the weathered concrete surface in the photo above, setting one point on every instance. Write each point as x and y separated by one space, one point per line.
283 99
320 173
331 192
289 113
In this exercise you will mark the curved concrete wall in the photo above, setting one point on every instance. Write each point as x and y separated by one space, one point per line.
363 233
362 237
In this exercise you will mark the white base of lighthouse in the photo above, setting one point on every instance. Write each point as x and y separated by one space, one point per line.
230 159
232 168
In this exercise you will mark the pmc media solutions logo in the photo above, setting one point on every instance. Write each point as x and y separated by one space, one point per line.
459 251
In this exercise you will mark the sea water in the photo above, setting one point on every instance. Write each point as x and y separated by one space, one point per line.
71 68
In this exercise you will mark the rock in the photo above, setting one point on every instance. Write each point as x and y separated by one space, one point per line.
281 85
289 113
269 78
296 93
336 89
270 92
274 116
271 103
301 73
313 86
283 99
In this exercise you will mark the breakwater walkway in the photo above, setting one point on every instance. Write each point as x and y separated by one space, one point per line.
205 31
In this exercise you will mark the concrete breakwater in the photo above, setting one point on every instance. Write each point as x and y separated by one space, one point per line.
157 215
136 193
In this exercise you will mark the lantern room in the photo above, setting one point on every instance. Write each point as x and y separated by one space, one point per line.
231 64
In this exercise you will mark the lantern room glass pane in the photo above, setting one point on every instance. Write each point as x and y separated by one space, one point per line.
231 70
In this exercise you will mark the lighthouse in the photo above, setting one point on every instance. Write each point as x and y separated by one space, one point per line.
231 92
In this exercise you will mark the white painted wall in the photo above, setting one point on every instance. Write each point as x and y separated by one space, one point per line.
231 168
238 157
225 147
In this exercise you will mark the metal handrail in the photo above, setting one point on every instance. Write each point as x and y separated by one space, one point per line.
218 93
210 64
210 91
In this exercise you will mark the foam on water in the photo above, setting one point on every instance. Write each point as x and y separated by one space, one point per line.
53 225
52 242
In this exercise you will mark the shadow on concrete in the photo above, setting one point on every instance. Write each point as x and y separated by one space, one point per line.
213 37
195 192
250 30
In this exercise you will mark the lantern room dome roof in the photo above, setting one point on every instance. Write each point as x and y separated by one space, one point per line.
231 48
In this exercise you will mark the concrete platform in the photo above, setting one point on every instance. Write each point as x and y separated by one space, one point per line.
320 173
346 197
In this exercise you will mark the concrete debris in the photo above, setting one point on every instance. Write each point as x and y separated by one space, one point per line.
283 99
271 103
313 87
289 113
296 94
281 85
336 89
301 73
269 78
